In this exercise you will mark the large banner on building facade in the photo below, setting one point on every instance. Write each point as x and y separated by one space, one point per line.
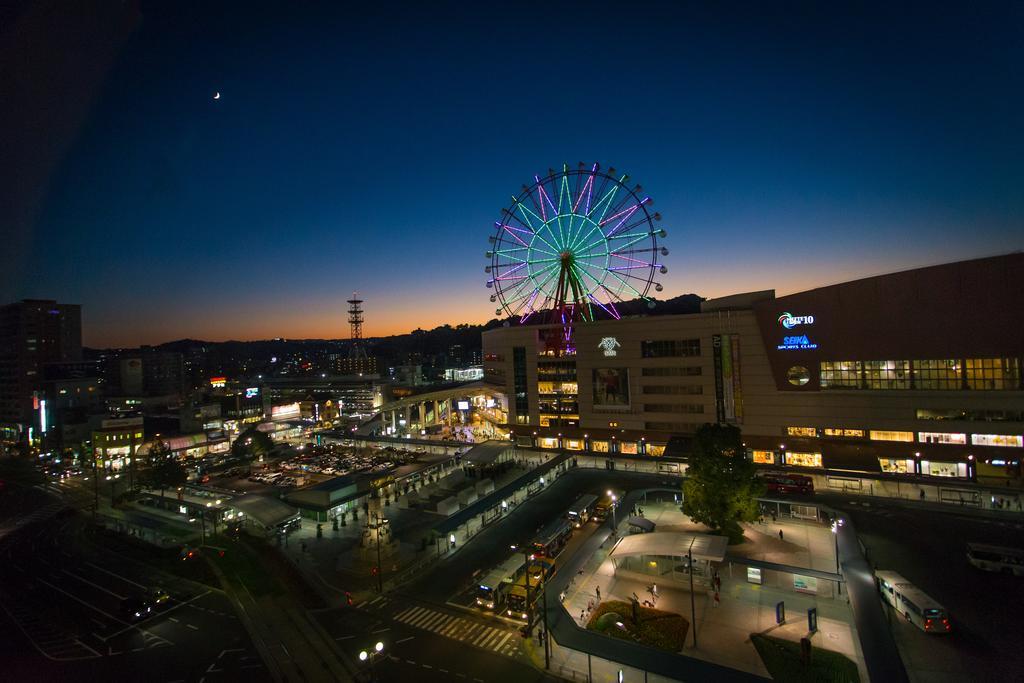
728 395
611 387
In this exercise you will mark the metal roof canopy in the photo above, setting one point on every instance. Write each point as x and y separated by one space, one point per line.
673 544
266 510
642 523
487 452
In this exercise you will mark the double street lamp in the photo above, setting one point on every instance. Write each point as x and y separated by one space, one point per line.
614 498
371 655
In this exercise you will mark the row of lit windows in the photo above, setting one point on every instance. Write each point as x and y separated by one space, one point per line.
676 389
670 348
955 438
691 371
685 427
673 408
944 374
788 458
974 415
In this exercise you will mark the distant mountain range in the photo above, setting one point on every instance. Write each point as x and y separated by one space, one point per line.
426 342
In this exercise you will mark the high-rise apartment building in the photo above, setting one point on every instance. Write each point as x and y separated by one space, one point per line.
33 332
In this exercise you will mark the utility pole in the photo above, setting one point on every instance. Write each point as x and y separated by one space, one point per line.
547 634
380 569
693 605
526 568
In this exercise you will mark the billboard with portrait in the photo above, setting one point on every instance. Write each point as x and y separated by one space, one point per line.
611 387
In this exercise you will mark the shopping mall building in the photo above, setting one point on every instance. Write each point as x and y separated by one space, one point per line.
917 372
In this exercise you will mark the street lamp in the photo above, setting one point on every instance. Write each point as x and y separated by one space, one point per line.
836 523
614 498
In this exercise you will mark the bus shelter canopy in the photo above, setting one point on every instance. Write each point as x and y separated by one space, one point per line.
673 544
642 523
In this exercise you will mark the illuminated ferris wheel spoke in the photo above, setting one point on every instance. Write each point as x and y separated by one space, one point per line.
573 243
588 186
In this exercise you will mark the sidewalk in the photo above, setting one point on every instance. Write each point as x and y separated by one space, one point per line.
723 632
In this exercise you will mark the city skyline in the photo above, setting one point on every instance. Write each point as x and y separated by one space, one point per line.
359 152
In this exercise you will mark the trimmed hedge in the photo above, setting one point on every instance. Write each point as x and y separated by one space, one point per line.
654 627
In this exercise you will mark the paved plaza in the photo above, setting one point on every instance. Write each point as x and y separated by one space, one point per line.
723 631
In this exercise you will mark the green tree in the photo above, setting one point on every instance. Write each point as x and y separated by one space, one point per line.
165 470
721 486
252 444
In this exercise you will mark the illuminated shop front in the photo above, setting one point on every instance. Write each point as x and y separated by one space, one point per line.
803 459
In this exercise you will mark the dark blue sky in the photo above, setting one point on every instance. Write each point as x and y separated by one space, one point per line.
786 147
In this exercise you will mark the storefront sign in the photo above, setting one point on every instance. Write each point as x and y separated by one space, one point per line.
789 321
609 344
796 343
252 392
806 584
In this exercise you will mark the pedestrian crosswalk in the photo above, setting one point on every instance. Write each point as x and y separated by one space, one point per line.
458 628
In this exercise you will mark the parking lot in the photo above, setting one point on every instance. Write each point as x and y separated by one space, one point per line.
73 609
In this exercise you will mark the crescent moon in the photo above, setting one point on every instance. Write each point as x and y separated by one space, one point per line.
216 96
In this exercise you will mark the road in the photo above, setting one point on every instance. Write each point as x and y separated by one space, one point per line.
928 548
428 631
61 612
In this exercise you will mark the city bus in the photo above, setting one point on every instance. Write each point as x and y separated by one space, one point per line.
996 558
779 483
913 603
581 511
518 607
604 506
552 539
493 589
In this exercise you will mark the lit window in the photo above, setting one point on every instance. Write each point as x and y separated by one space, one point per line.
763 457
887 374
848 433
844 374
655 449
1011 440
798 376
804 459
941 437
992 373
937 374
897 466
628 447
882 435
599 446
802 431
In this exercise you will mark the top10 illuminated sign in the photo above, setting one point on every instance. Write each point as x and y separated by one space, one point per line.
789 321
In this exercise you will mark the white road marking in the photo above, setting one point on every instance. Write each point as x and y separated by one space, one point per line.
118 576
94 585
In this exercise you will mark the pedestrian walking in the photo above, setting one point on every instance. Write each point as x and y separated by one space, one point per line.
597 589
718 599
781 537
590 606
922 494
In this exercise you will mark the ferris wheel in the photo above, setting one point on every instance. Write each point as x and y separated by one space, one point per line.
575 243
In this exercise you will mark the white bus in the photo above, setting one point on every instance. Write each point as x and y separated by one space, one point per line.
493 588
996 558
581 511
913 603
